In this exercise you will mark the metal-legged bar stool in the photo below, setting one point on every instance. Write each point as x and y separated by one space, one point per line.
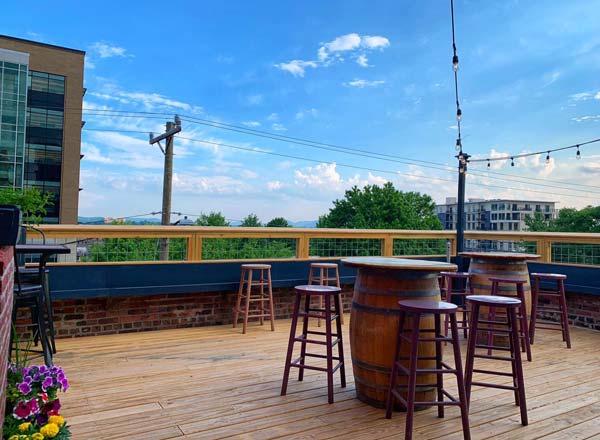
330 295
510 327
521 312
458 285
246 295
319 274
414 309
561 305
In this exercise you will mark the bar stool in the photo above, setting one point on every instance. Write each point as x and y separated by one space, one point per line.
415 309
323 278
559 294
451 279
247 295
508 327
521 312
442 284
331 339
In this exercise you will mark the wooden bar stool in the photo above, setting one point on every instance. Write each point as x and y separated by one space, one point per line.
307 336
521 312
413 309
510 327
561 308
246 295
319 274
458 285
442 284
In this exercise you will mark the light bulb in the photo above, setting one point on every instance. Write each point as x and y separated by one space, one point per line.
459 114
455 63
489 164
458 144
548 158
578 154
512 162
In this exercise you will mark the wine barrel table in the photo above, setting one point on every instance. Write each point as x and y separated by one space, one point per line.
484 265
380 283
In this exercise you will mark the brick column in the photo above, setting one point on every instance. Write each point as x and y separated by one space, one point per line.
6 303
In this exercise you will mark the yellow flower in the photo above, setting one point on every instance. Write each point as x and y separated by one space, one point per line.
14 437
50 430
37 436
59 420
24 426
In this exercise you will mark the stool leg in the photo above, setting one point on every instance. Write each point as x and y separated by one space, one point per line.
304 335
524 334
394 373
471 351
412 376
321 283
492 317
261 280
534 305
337 283
564 313
438 361
512 316
49 310
247 305
329 342
290 350
340 345
460 381
271 305
446 317
238 300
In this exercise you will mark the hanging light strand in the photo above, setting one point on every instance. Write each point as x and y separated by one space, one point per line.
455 69
547 152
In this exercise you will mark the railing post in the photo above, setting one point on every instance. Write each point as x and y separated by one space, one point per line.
194 247
302 247
544 248
387 246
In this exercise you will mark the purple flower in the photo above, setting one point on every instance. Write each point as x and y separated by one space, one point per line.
27 379
47 383
43 369
24 410
41 419
24 388
65 384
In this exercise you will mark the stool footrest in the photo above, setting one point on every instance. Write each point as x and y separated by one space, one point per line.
452 402
495 385
436 339
496 373
314 332
492 347
549 293
494 358
492 329
549 309
320 356
301 338
446 369
485 321
297 364
558 327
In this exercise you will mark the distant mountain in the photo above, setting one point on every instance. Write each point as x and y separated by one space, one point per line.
156 221
304 224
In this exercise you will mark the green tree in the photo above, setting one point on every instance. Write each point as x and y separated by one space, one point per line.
278 222
251 220
212 219
381 207
31 201
537 223
568 220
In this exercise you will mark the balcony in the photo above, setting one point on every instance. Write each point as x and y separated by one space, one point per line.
208 380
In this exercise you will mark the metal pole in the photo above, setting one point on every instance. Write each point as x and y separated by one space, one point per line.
167 187
460 219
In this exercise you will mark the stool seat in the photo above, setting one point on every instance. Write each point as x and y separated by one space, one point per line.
422 306
489 300
456 274
314 289
549 276
324 265
507 280
256 266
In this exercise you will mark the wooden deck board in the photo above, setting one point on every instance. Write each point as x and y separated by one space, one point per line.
214 382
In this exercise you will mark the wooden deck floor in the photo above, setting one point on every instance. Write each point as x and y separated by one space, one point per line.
214 382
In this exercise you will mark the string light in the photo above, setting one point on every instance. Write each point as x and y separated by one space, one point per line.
459 115
455 62
458 144
578 154
548 158
512 162
489 164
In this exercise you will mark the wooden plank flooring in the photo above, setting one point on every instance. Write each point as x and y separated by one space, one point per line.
214 382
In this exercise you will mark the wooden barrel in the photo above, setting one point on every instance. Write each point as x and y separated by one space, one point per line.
374 326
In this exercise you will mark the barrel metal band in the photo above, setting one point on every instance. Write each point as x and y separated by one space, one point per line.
377 310
501 288
400 294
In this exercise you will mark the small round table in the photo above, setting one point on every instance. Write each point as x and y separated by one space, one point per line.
380 283
484 265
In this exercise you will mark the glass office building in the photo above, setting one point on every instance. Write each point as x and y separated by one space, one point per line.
13 113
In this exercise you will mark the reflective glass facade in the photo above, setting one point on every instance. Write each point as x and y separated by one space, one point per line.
13 111
44 136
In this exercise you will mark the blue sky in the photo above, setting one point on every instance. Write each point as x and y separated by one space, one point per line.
370 75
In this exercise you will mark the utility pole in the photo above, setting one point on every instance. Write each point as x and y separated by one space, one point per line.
172 128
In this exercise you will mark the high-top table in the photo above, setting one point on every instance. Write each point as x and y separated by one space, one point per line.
380 283
484 265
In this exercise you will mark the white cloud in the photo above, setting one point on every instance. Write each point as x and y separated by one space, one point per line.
105 50
375 42
582 96
273 117
248 174
362 60
311 112
254 99
586 118
362 83
551 78
325 177
278 127
274 185
343 43
296 67
251 123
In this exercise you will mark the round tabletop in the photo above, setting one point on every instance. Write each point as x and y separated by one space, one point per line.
501 255
399 263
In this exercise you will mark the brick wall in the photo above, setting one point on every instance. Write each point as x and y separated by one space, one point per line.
84 317
6 301
583 310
